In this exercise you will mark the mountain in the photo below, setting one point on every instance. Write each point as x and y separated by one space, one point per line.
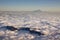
37 10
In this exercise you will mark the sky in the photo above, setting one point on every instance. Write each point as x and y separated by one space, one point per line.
29 5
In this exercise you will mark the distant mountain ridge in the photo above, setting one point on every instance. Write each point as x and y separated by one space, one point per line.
37 10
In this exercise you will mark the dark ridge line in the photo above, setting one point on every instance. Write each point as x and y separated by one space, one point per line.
36 32
11 28
24 28
31 31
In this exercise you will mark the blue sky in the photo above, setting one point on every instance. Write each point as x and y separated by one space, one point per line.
27 5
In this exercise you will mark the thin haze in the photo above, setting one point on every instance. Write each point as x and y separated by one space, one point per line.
28 5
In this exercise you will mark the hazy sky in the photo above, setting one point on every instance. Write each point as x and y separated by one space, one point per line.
27 5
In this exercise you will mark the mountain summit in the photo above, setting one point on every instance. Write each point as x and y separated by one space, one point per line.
37 10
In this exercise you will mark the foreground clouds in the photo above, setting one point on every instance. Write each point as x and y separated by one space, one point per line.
48 24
